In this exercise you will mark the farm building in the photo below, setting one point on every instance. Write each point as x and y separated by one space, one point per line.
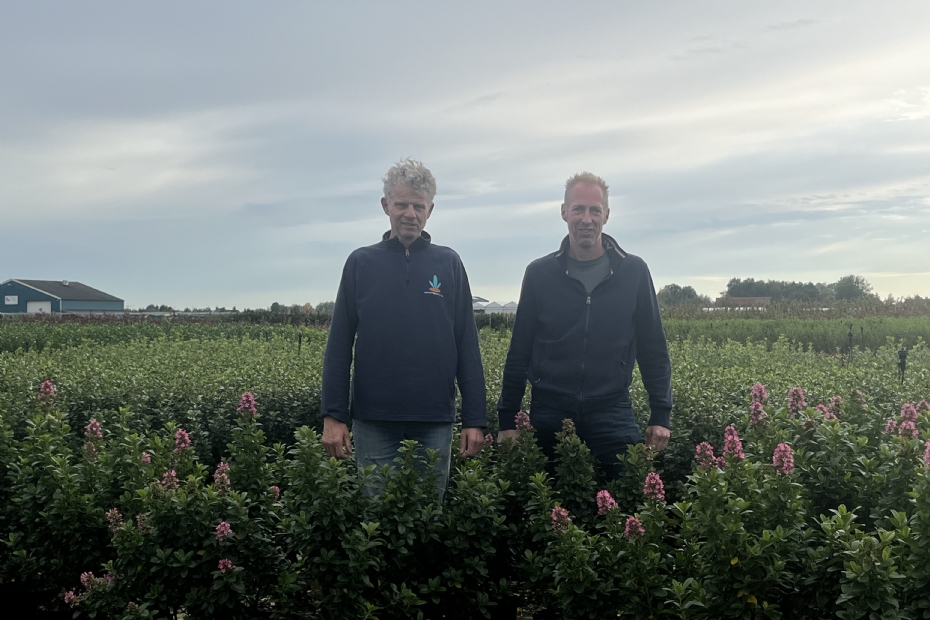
55 296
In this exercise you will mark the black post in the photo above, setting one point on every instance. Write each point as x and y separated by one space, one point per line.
300 340
902 363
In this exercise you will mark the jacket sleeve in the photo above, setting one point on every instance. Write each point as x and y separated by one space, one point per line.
337 360
652 353
469 373
516 368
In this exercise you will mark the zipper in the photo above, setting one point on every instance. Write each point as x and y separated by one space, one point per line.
584 345
407 254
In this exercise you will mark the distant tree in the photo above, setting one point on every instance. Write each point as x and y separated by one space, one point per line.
674 295
778 290
276 308
852 288
326 307
307 309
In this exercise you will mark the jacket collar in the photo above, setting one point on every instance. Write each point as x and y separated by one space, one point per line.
613 249
394 244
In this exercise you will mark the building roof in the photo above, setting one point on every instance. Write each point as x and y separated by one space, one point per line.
68 291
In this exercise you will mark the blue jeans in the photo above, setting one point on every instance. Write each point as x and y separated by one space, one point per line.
377 443
607 432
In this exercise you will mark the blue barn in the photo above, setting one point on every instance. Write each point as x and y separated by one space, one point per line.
55 296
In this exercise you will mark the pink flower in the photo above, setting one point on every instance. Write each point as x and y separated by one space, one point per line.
46 392
827 414
225 565
721 462
70 598
90 451
907 428
489 439
927 455
923 406
223 530
182 441
834 404
863 400
146 457
141 523
605 501
891 425
221 478
88 580
276 490
169 480
93 429
633 528
908 413
523 421
732 446
653 487
783 459
704 455
796 401
560 519
115 519
759 395
247 404
756 414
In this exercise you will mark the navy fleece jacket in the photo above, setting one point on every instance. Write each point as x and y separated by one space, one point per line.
577 350
408 313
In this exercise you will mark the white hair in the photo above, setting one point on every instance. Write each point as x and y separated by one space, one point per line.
413 173
585 177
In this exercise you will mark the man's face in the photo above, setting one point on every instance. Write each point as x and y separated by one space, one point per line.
408 210
585 214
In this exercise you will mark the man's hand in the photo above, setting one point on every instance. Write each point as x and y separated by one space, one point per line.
471 441
336 440
512 434
657 437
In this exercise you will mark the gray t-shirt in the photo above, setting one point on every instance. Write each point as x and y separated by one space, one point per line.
589 272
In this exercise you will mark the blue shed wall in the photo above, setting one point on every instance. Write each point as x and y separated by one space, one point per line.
25 294
91 306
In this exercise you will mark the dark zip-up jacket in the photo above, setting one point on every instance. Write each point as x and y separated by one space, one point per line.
408 312
577 350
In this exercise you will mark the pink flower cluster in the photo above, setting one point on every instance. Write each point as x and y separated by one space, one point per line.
276 490
796 401
633 528
605 501
225 565
489 439
927 455
182 441
88 580
46 393
756 410
863 400
732 446
221 478
247 404
223 530
906 424
523 421
654 488
704 455
115 519
827 414
90 451
71 598
169 480
783 459
560 519
146 457
923 406
93 429
141 523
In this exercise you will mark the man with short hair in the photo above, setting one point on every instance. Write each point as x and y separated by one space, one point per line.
587 312
405 306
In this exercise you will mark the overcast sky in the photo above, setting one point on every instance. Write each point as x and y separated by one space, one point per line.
231 153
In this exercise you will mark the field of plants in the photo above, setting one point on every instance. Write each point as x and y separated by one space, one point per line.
157 469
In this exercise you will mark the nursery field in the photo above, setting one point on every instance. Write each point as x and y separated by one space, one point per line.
157 469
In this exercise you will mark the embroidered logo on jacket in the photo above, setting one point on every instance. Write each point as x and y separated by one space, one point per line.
434 285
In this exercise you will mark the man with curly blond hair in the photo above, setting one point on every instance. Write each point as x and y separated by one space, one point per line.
404 309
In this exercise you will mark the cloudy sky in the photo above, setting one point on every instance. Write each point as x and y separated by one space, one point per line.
231 153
